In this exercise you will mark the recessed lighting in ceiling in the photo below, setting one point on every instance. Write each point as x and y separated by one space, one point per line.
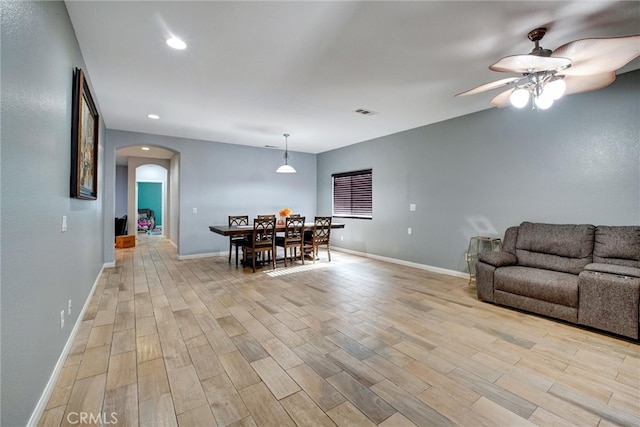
145 148
176 43
153 116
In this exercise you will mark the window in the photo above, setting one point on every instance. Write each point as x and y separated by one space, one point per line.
353 195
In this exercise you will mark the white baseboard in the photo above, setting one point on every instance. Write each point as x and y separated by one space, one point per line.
205 255
48 390
405 263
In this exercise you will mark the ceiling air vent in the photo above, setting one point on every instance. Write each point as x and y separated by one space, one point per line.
365 112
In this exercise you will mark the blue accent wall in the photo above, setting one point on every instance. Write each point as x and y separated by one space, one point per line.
150 197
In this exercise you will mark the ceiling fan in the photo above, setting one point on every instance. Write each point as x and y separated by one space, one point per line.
545 75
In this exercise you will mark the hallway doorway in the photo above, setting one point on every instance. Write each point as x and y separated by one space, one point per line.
151 198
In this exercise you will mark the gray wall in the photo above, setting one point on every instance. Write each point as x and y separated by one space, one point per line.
121 191
220 180
41 267
578 162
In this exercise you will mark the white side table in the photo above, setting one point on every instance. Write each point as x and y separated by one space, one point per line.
478 245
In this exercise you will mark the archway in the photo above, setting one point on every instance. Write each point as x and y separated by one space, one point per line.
128 162
124 152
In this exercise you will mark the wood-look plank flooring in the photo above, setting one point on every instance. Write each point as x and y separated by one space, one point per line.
353 342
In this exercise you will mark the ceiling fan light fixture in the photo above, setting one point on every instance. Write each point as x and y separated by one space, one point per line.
519 97
286 168
589 64
544 101
555 88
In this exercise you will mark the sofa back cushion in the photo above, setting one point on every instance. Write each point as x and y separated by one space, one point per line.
510 239
619 245
559 247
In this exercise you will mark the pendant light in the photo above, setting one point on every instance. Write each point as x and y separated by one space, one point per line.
286 168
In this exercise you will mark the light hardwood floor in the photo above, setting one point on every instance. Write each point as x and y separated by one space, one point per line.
355 341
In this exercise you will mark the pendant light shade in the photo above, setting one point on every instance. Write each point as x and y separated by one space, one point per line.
286 168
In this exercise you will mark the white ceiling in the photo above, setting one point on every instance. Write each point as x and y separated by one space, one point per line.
254 70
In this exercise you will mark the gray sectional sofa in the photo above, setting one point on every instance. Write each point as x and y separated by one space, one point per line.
579 273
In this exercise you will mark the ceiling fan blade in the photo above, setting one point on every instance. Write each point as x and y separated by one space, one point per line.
502 99
578 84
529 63
595 56
489 86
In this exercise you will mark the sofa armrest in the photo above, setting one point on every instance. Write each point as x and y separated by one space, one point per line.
609 301
620 270
498 258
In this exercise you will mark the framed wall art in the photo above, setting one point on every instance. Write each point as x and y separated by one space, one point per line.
84 140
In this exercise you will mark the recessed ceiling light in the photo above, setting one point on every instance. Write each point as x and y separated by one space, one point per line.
145 148
176 43
153 116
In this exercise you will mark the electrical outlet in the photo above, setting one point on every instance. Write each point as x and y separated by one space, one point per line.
62 319
69 308
195 210
64 223
412 207
409 231
342 238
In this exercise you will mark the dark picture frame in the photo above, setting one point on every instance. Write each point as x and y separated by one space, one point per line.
84 140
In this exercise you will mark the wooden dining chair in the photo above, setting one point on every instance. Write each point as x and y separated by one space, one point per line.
292 239
261 241
320 235
237 241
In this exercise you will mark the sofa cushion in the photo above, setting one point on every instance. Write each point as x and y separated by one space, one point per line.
618 245
559 247
618 270
510 239
546 285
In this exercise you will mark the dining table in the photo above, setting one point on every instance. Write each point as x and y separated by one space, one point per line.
243 230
